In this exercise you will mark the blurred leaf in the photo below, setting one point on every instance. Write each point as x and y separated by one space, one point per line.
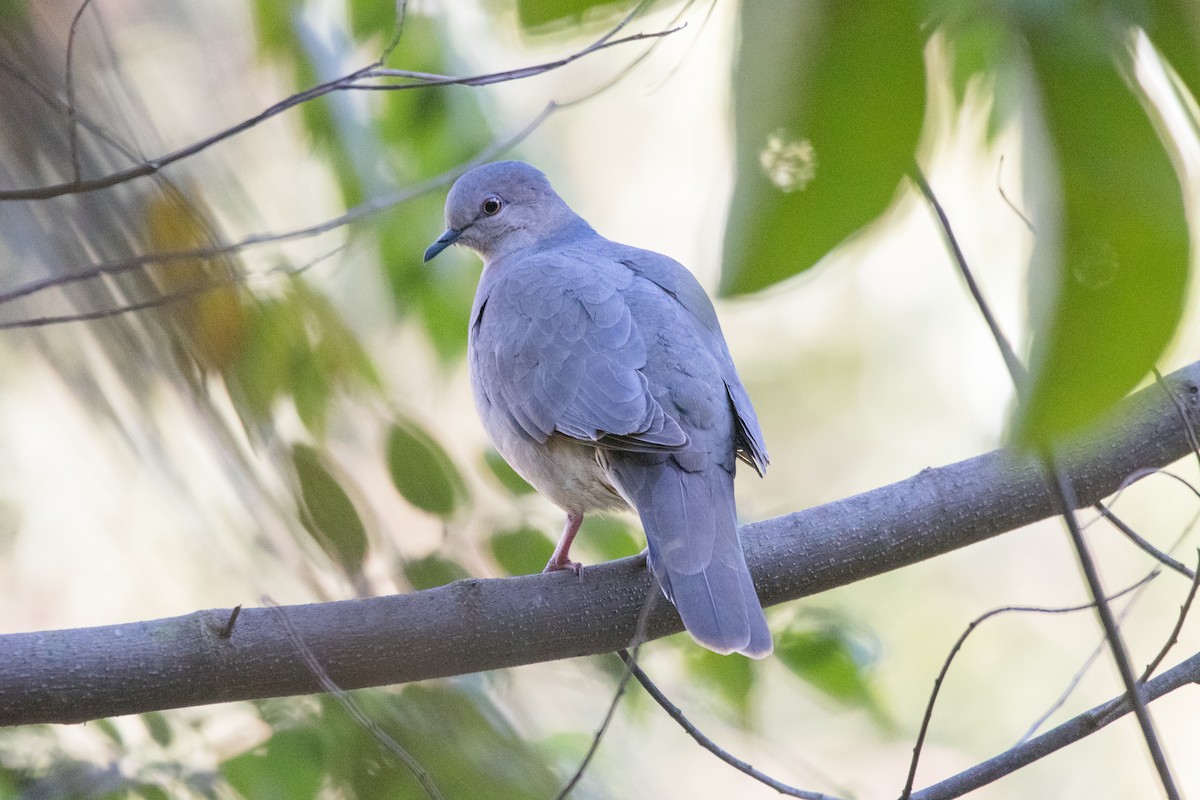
731 676
211 312
534 14
507 476
1174 28
984 50
523 551
373 18
291 765
829 100
158 727
433 570
1108 283
110 730
461 738
297 346
609 537
424 132
327 511
829 660
421 471
273 20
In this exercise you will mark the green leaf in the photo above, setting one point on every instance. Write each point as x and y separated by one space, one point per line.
289 766
829 99
327 511
297 346
507 476
433 570
373 18
460 737
609 537
731 676
158 727
534 14
421 471
1174 28
1108 279
522 551
830 660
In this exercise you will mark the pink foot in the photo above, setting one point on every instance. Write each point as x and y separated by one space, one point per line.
561 559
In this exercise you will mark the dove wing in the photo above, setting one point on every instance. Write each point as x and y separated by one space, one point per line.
554 349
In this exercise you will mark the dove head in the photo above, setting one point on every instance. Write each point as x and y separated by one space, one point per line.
499 208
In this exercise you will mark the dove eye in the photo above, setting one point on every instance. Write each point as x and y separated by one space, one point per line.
492 205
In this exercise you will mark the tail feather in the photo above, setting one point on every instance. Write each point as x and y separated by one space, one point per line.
695 553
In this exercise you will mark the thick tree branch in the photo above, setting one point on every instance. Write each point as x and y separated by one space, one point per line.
475 625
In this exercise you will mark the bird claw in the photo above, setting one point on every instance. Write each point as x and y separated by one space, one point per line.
566 564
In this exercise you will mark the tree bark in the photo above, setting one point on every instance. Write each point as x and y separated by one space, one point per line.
482 624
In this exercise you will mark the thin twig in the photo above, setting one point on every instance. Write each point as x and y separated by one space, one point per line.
72 127
1016 369
1063 495
350 81
343 697
975 623
1071 731
1099 648
1180 410
360 211
1142 543
1004 196
164 300
635 643
707 743
1173 639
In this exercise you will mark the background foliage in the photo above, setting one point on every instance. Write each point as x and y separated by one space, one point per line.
320 420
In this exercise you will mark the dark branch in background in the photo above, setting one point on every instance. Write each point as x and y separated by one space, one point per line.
1182 412
168 298
73 131
1173 639
1100 646
639 636
352 81
1063 494
1082 726
360 211
476 625
1140 541
962 639
340 694
707 743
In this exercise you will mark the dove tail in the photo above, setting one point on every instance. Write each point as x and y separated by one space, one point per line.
695 553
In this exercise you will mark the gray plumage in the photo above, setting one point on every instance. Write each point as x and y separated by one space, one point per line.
601 375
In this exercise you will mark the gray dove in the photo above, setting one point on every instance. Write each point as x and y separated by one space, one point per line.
601 375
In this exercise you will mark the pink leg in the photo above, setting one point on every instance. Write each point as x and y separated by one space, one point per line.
560 559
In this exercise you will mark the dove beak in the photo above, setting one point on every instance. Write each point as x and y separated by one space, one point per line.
445 240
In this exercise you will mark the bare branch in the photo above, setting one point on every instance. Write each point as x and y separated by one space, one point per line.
707 743
475 625
1141 542
361 211
1063 494
1173 639
347 702
1183 674
962 639
351 81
